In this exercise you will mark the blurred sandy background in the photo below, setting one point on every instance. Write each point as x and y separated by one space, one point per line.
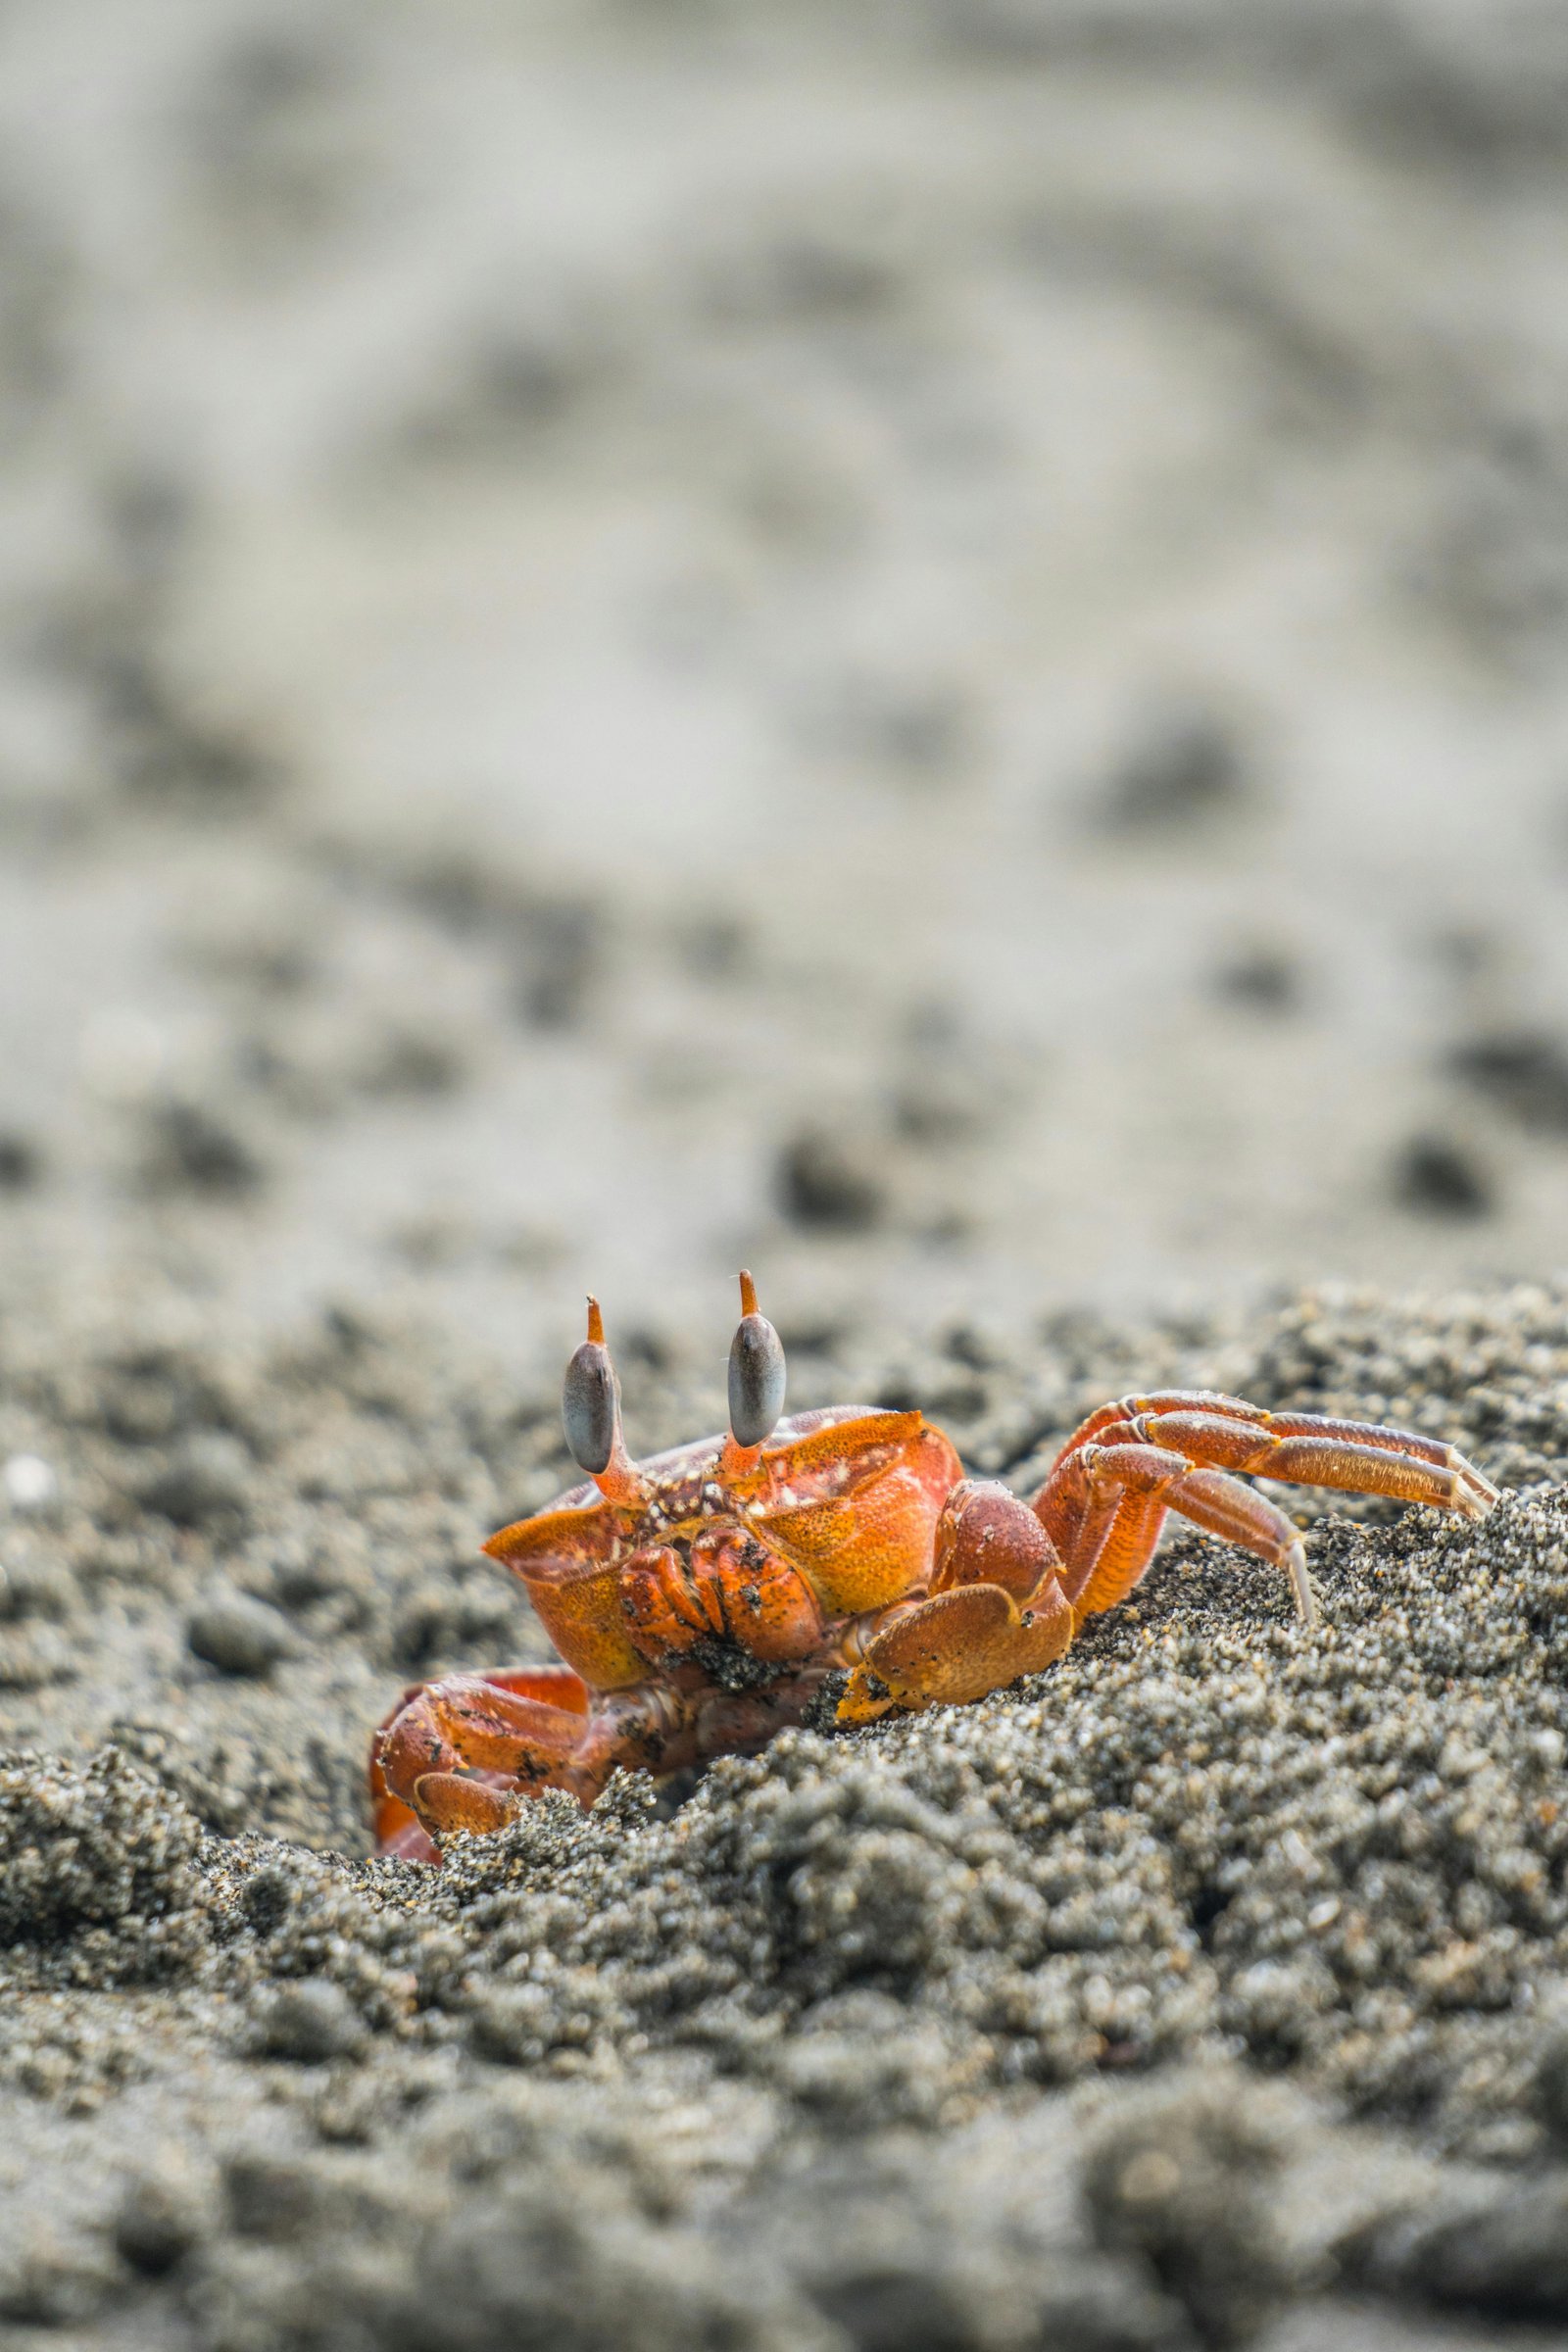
924 646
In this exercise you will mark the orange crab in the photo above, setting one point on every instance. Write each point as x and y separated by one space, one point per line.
832 1567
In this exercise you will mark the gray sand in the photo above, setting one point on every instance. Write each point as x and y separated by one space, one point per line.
1210 1983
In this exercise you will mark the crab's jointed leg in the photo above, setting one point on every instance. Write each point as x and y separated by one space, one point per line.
1301 1448
396 1824
1129 1489
458 1754
1106 1499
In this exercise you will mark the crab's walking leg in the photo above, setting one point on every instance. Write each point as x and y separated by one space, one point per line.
1303 1452
995 1610
1128 1488
461 1753
521 1725
467 1722
396 1825
395 1821
1108 1526
1301 1448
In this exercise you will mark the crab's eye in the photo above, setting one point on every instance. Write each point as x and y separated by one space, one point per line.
757 1373
590 1399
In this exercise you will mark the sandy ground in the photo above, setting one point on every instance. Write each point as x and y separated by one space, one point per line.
1210 1989
921 648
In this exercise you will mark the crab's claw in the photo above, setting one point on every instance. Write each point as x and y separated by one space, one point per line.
995 1610
956 1647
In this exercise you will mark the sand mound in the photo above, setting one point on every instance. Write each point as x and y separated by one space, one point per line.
960 2024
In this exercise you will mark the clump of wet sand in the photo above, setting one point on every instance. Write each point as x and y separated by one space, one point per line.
1167 1998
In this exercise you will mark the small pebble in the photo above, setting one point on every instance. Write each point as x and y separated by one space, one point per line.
30 1482
192 1147
1185 771
163 2215
1260 979
204 1480
1439 1178
239 1634
562 952
829 1181
311 2021
1524 1072
271 2197
20 1163
411 1062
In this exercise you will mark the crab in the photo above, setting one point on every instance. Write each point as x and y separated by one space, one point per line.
831 1568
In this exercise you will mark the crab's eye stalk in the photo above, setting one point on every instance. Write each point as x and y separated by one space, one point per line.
757 1373
590 1401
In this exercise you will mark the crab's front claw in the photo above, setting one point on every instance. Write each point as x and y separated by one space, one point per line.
956 1647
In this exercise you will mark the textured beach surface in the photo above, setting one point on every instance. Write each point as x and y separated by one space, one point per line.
920 647
1211 1988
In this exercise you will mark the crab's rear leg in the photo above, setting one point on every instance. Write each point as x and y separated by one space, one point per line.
1303 1451
1226 1433
1127 1491
1106 1499
995 1610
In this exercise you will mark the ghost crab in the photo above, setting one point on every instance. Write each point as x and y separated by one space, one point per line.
837 1565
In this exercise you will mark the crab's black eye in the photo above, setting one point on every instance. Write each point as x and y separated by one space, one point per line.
757 1373
590 1399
